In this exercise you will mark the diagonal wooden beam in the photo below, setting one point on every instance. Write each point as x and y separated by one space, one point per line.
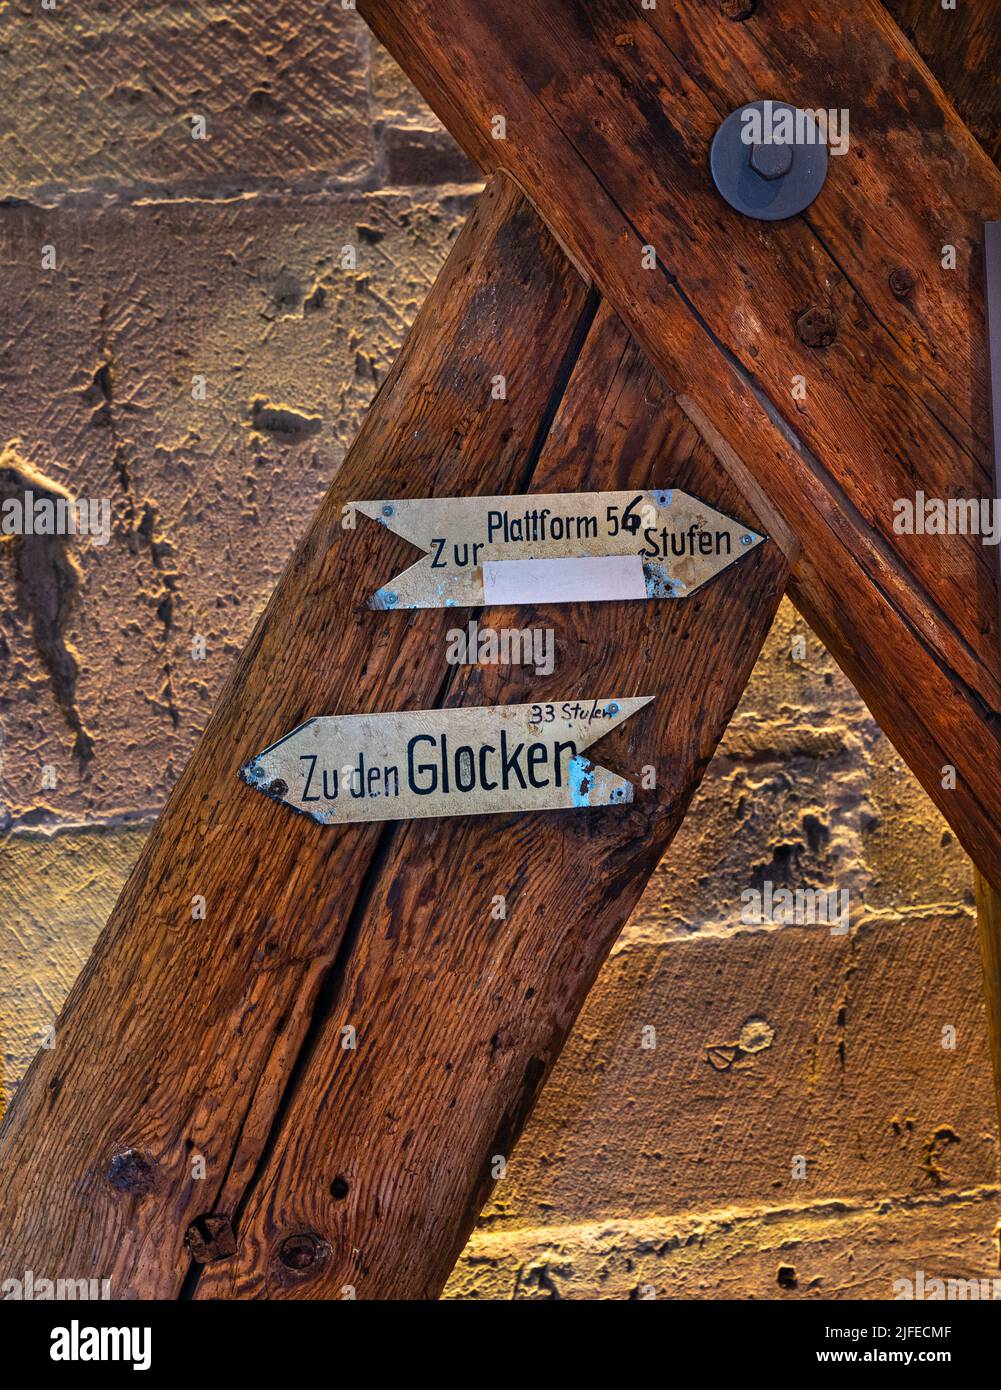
608 112
198 1102
460 1016
178 1036
962 47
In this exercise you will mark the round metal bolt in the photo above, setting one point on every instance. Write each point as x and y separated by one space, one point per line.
817 327
278 787
746 540
391 599
901 282
771 161
388 510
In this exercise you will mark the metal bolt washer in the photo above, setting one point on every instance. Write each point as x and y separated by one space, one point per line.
769 180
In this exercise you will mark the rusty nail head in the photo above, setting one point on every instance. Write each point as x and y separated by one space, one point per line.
817 327
901 282
133 1171
210 1238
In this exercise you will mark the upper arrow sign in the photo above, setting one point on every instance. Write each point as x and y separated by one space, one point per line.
559 547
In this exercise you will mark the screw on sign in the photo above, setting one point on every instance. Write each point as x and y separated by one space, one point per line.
568 547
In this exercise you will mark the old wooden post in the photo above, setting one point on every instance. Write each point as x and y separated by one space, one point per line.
308 1092
835 361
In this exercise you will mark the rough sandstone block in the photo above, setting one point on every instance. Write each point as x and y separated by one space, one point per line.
805 792
827 1250
769 1045
103 97
57 891
203 367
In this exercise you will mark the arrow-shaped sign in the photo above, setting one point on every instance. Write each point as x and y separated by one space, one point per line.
561 547
445 762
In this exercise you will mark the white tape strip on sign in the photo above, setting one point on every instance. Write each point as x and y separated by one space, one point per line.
574 580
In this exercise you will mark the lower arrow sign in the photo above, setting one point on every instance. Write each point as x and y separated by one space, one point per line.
445 762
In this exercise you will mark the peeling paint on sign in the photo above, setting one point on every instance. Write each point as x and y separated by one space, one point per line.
563 547
445 762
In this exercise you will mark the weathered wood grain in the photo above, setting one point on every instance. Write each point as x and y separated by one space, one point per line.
385 1153
963 49
178 1039
609 112
962 46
